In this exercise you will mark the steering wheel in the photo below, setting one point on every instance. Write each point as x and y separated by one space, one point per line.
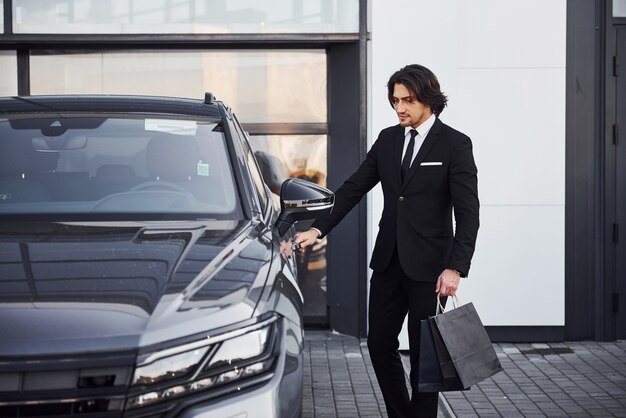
173 197
159 185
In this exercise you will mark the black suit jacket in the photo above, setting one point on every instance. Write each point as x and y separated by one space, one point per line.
417 213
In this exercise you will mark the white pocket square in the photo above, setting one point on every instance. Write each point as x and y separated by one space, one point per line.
432 163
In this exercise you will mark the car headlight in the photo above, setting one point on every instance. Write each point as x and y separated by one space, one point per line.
249 345
212 361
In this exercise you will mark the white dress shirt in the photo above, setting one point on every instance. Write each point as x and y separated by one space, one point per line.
422 131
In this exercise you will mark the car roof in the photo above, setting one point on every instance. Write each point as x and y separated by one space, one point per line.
109 104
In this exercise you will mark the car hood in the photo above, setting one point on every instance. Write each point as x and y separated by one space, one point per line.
82 287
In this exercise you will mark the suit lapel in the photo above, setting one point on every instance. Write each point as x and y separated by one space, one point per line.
427 145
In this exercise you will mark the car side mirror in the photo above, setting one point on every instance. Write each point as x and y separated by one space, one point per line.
301 200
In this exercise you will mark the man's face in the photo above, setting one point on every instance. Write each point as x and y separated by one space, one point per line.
410 111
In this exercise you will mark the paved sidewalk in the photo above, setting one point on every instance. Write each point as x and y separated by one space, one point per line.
575 379
338 378
581 379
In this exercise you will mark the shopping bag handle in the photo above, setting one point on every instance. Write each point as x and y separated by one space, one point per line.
455 304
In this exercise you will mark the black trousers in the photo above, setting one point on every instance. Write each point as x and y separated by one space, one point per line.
392 295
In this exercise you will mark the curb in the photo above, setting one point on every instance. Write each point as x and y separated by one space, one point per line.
444 407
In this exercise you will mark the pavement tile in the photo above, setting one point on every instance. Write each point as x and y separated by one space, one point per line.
506 412
589 382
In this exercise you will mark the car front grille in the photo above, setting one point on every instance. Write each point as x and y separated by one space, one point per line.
90 386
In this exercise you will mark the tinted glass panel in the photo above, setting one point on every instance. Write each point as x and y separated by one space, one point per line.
8 73
300 156
291 156
619 8
257 178
263 86
185 16
101 164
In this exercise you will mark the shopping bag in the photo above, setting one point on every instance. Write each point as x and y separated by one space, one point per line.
446 366
467 344
429 374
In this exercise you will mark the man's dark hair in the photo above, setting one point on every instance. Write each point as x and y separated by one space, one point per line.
421 82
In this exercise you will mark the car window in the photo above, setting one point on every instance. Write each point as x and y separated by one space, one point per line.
121 164
257 178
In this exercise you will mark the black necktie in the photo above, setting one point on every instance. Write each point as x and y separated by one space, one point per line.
408 155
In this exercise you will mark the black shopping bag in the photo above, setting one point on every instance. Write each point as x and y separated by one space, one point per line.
468 344
429 373
446 366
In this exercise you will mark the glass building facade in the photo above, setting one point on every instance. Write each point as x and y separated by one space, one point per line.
270 61
185 16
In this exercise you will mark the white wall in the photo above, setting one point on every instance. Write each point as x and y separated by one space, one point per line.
502 65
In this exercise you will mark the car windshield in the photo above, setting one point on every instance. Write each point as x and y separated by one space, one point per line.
121 165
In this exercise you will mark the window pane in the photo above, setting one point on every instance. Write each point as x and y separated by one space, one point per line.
262 86
301 156
291 156
185 16
1 16
619 8
8 73
252 166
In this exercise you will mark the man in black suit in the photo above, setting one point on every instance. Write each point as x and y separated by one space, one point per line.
427 171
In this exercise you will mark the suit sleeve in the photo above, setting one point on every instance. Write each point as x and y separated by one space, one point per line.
464 193
351 191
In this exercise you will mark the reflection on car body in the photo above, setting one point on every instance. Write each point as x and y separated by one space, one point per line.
141 271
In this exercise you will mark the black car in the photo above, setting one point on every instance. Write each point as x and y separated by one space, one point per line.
146 270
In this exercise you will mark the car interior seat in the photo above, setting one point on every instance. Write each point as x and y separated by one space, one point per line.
175 159
16 184
113 178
